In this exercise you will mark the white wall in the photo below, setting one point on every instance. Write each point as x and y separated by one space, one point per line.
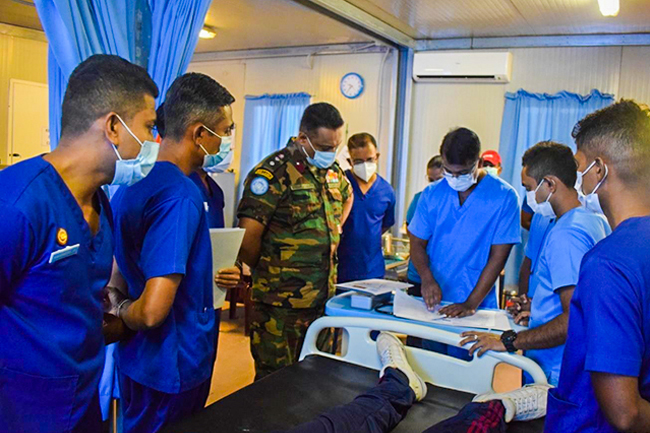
622 71
21 59
320 77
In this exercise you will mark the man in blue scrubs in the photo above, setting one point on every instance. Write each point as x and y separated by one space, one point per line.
163 250
213 203
605 381
373 212
463 230
434 174
549 176
56 249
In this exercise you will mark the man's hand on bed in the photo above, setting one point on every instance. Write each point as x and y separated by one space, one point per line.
458 310
483 341
431 292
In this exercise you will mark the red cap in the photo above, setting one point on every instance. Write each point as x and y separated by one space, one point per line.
492 156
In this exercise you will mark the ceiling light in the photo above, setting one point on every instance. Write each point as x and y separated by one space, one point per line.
609 8
207 33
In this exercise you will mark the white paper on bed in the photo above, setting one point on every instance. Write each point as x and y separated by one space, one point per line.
225 248
374 286
408 307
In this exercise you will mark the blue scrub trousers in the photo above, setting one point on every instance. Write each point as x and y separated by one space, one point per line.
145 410
381 408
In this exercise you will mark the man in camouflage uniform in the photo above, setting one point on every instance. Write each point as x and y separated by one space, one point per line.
294 204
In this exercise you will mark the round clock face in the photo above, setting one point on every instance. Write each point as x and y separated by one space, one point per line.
352 85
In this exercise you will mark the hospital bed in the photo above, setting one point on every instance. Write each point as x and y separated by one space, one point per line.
322 380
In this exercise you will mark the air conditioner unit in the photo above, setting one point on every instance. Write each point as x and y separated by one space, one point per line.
462 66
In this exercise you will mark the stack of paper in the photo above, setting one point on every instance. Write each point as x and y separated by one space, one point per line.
225 249
408 307
374 286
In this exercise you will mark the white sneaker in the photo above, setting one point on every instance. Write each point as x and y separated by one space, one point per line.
523 404
392 354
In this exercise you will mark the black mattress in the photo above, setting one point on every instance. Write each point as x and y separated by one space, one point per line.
298 393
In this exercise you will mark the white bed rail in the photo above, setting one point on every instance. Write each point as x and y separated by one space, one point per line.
473 376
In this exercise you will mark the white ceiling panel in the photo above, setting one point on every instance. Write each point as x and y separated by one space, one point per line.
487 18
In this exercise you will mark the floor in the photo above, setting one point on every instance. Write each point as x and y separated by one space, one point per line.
234 368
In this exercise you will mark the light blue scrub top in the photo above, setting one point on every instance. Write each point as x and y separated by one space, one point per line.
539 228
460 237
568 240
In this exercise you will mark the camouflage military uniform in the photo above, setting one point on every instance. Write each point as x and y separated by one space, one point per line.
301 206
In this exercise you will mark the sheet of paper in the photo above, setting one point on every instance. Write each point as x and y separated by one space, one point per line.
408 307
225 248
374 286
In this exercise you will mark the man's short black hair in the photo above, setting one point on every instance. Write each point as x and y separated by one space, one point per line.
548 158
194 98
160 120
620 134
461 146
100 84
320 115
435 162
361 140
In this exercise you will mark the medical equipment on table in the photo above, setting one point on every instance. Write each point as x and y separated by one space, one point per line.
321 380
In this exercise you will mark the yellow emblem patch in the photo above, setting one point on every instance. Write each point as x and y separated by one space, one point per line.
332 176
61 236
264 173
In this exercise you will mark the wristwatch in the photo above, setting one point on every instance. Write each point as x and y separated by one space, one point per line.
508 339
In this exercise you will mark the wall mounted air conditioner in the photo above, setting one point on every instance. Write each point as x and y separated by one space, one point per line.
462 66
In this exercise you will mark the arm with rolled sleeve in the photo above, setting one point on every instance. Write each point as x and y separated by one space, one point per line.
172 227
614 317
255 212
16 248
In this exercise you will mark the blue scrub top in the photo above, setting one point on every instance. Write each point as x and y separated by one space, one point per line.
213 200
412 274
52 349
525 207
460 237
161 229
539 228
360 254
609 328
568 240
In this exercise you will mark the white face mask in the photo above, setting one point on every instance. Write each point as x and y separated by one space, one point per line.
365 170
591 200
544 209
493 171
463 182
219 162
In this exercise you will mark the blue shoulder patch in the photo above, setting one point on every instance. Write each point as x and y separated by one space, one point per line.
259 186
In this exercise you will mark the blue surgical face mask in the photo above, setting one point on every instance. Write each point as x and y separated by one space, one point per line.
321 159
463 182
591 200
544 209
219 162
129 171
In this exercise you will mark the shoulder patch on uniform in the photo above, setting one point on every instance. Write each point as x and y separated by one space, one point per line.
259 186
332 176
264 173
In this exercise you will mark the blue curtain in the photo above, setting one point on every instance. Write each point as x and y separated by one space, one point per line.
529 118
270 121
159 35
175 27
